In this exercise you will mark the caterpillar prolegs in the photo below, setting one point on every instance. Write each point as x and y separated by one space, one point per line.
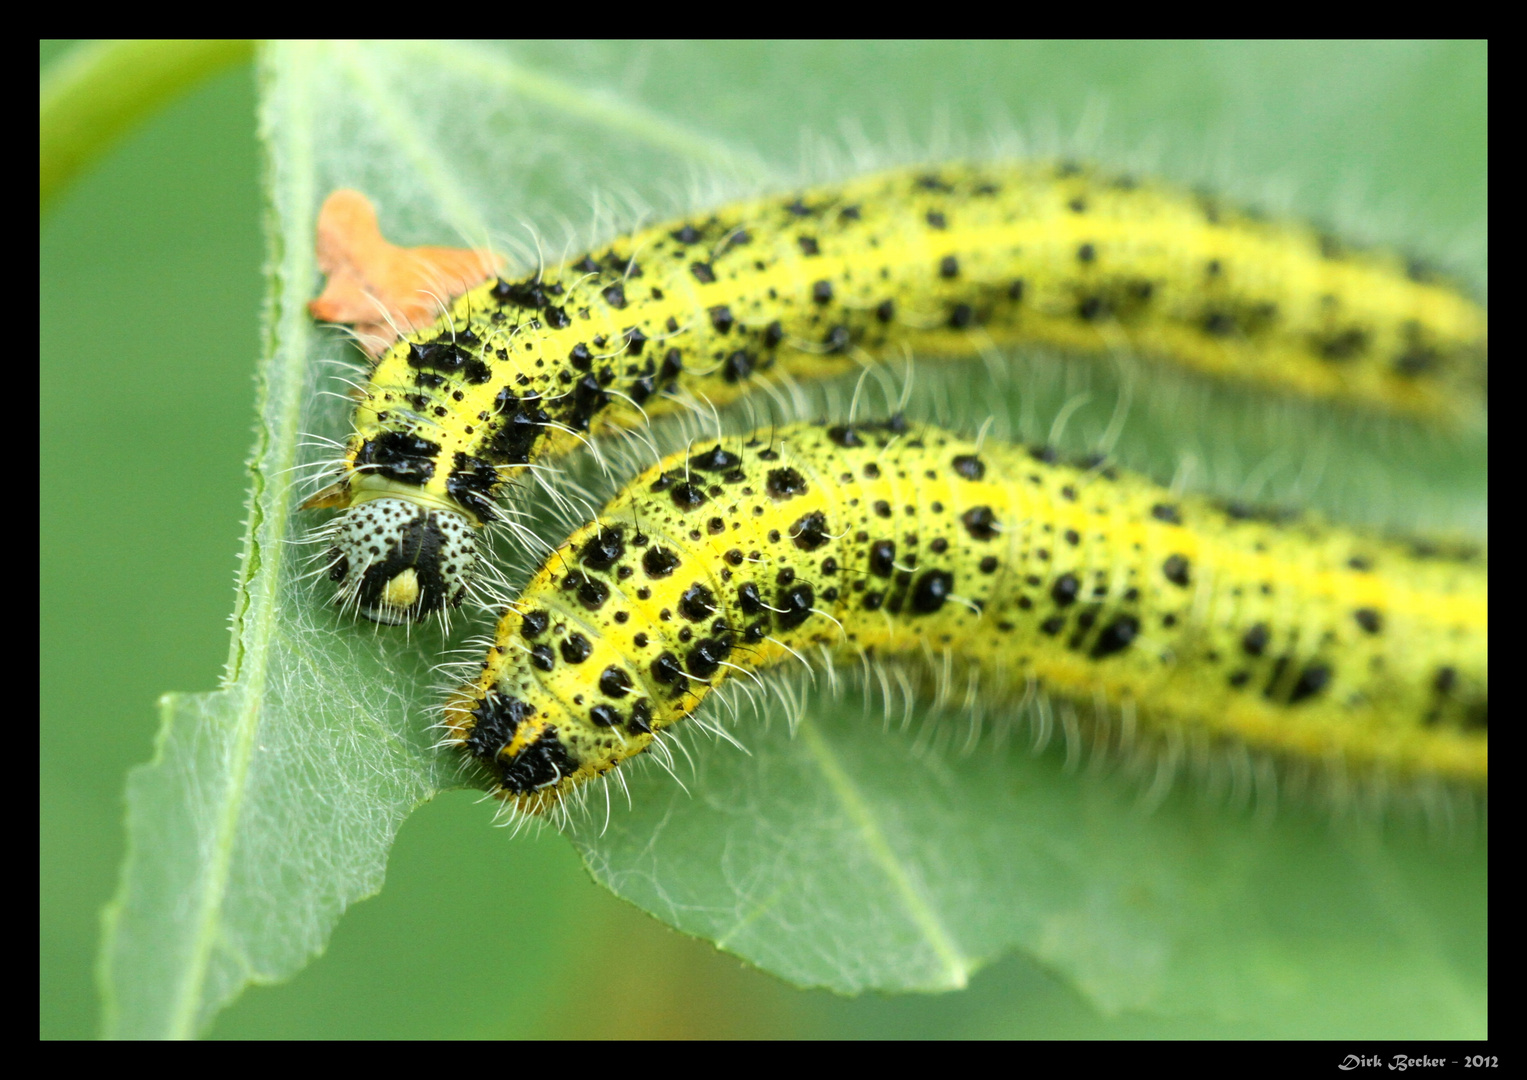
813 284
1207 620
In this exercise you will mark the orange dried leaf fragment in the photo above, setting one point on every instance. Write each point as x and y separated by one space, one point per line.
378 286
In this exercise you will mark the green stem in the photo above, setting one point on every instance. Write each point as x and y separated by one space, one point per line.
94 93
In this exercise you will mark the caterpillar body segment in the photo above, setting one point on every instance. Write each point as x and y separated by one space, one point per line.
936 260
1204 620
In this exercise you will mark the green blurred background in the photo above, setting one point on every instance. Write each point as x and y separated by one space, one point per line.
150 292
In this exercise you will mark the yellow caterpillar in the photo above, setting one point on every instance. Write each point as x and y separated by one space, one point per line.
1197 620
815 284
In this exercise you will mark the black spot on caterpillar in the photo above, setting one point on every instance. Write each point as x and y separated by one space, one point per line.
1208 620
811 284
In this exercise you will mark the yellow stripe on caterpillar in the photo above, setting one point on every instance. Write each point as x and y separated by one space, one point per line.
813 284
1206 620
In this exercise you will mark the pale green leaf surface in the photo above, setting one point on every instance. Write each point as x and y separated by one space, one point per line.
849 856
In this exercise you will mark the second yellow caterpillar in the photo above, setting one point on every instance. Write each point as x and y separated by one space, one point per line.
1204 621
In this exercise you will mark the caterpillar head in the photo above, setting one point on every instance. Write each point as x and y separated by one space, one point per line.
552 708
397 561
520 744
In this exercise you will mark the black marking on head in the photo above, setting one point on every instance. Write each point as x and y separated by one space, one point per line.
1065 590
495 720
420 545
540 764
1254 641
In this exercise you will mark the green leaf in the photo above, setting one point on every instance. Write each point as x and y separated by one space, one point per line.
854 855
